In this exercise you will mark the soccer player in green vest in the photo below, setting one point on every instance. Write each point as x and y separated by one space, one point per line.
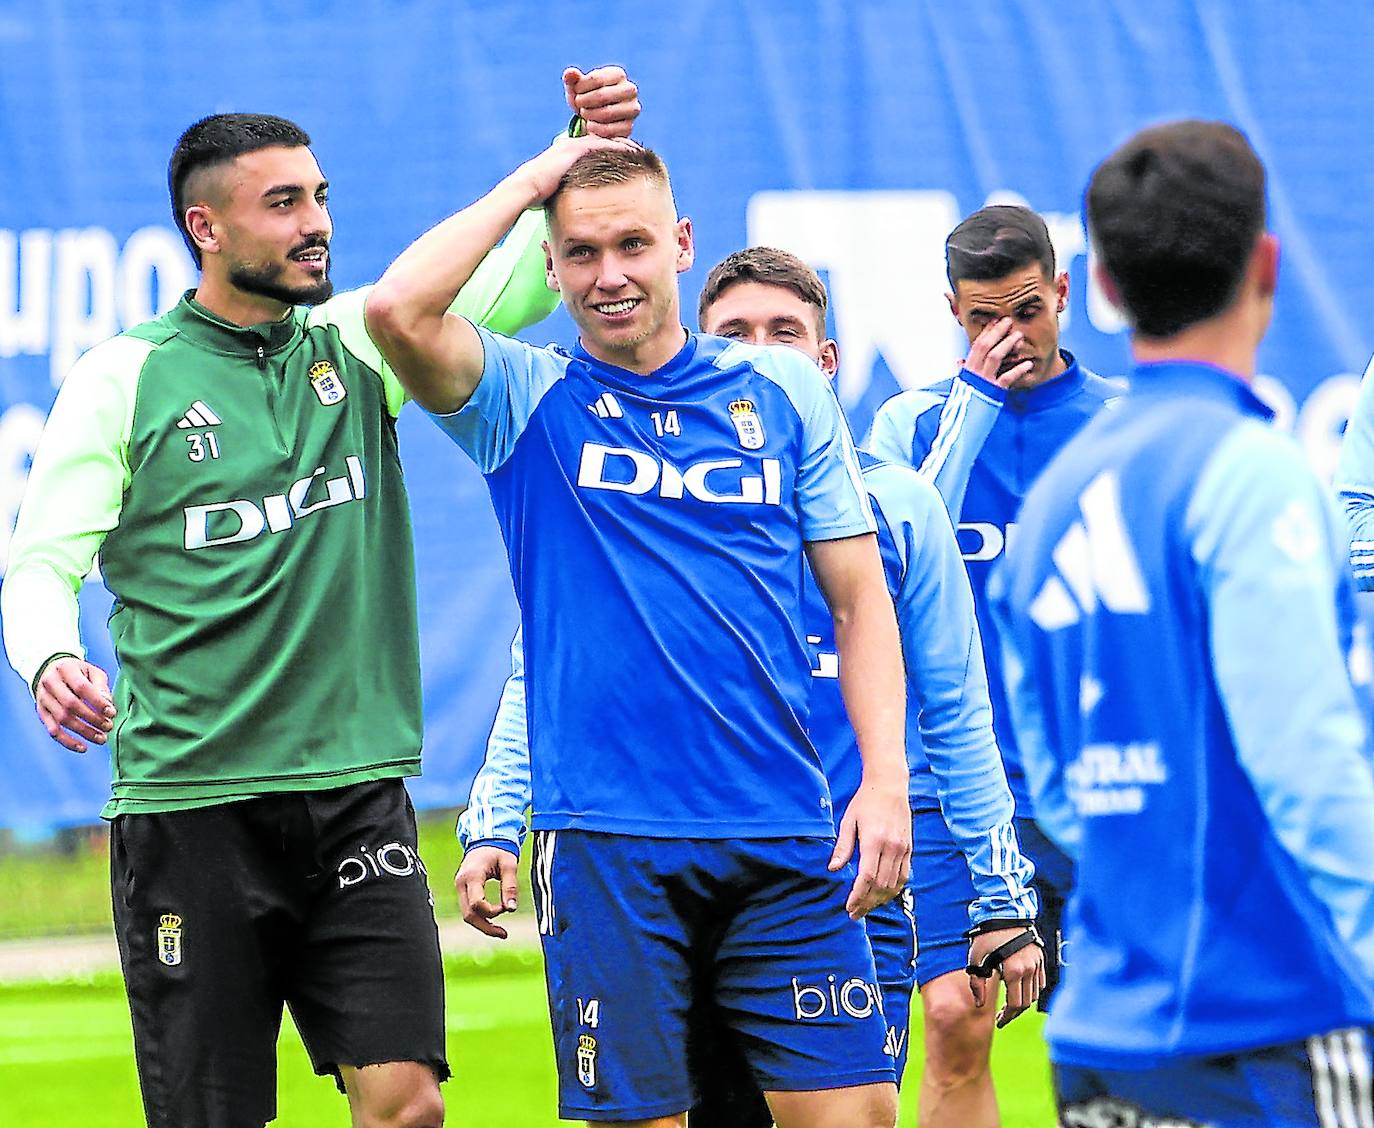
234 465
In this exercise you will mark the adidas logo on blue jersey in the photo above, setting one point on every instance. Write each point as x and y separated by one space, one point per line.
606 407
199 414
1096 561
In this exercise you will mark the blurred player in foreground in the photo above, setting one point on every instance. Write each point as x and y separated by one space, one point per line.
234 464
655 490
983 437
1178 625
763 296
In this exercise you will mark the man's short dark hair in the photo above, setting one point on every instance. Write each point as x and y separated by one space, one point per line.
770 267
994 241
1174 214
217 140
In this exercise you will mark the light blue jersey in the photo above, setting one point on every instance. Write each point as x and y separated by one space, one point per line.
947 699
654 525
1178 623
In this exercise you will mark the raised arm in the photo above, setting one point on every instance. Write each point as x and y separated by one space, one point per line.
437 354
945 460
432 348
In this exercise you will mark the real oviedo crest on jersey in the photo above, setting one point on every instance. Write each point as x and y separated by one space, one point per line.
748 425
325 380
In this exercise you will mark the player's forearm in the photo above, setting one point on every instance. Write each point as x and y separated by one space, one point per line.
873 684
965 423
977 803
436 355
427 276
40 615
501 790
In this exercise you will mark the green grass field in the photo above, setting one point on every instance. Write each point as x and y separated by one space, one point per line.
66 1049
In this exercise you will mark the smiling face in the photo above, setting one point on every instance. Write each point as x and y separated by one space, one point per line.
759 313
1033 300
261 223
614 254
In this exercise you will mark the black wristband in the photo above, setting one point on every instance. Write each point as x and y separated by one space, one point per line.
996 924
993 960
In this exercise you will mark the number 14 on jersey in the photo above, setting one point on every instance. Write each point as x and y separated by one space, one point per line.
666 423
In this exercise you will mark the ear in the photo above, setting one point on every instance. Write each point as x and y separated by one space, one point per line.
829 357
686 247
1061 290
1264 264
550 279
953 301
200 224
1107 284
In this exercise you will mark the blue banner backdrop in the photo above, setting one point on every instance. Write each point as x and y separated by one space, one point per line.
854 132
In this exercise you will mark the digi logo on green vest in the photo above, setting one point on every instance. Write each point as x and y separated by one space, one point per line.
240 520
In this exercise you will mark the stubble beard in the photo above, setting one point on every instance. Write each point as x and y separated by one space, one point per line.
265 282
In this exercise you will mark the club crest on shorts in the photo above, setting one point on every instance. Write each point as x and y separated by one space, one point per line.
586 1060
169 939
325 380
748 425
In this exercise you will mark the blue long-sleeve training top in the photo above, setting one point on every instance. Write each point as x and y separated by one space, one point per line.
1178 625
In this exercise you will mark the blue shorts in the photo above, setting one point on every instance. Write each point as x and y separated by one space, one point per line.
643 935
729 1096
1053 884
1321 1082
892 935
943 891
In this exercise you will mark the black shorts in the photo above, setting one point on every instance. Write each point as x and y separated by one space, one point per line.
313 899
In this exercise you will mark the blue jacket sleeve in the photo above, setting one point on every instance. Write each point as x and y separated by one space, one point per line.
1355 482
891 436
947 457
1270 554
495 815
948 681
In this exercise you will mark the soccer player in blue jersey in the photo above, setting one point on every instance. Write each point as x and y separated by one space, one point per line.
765 296
1178 621
982 437
656 490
